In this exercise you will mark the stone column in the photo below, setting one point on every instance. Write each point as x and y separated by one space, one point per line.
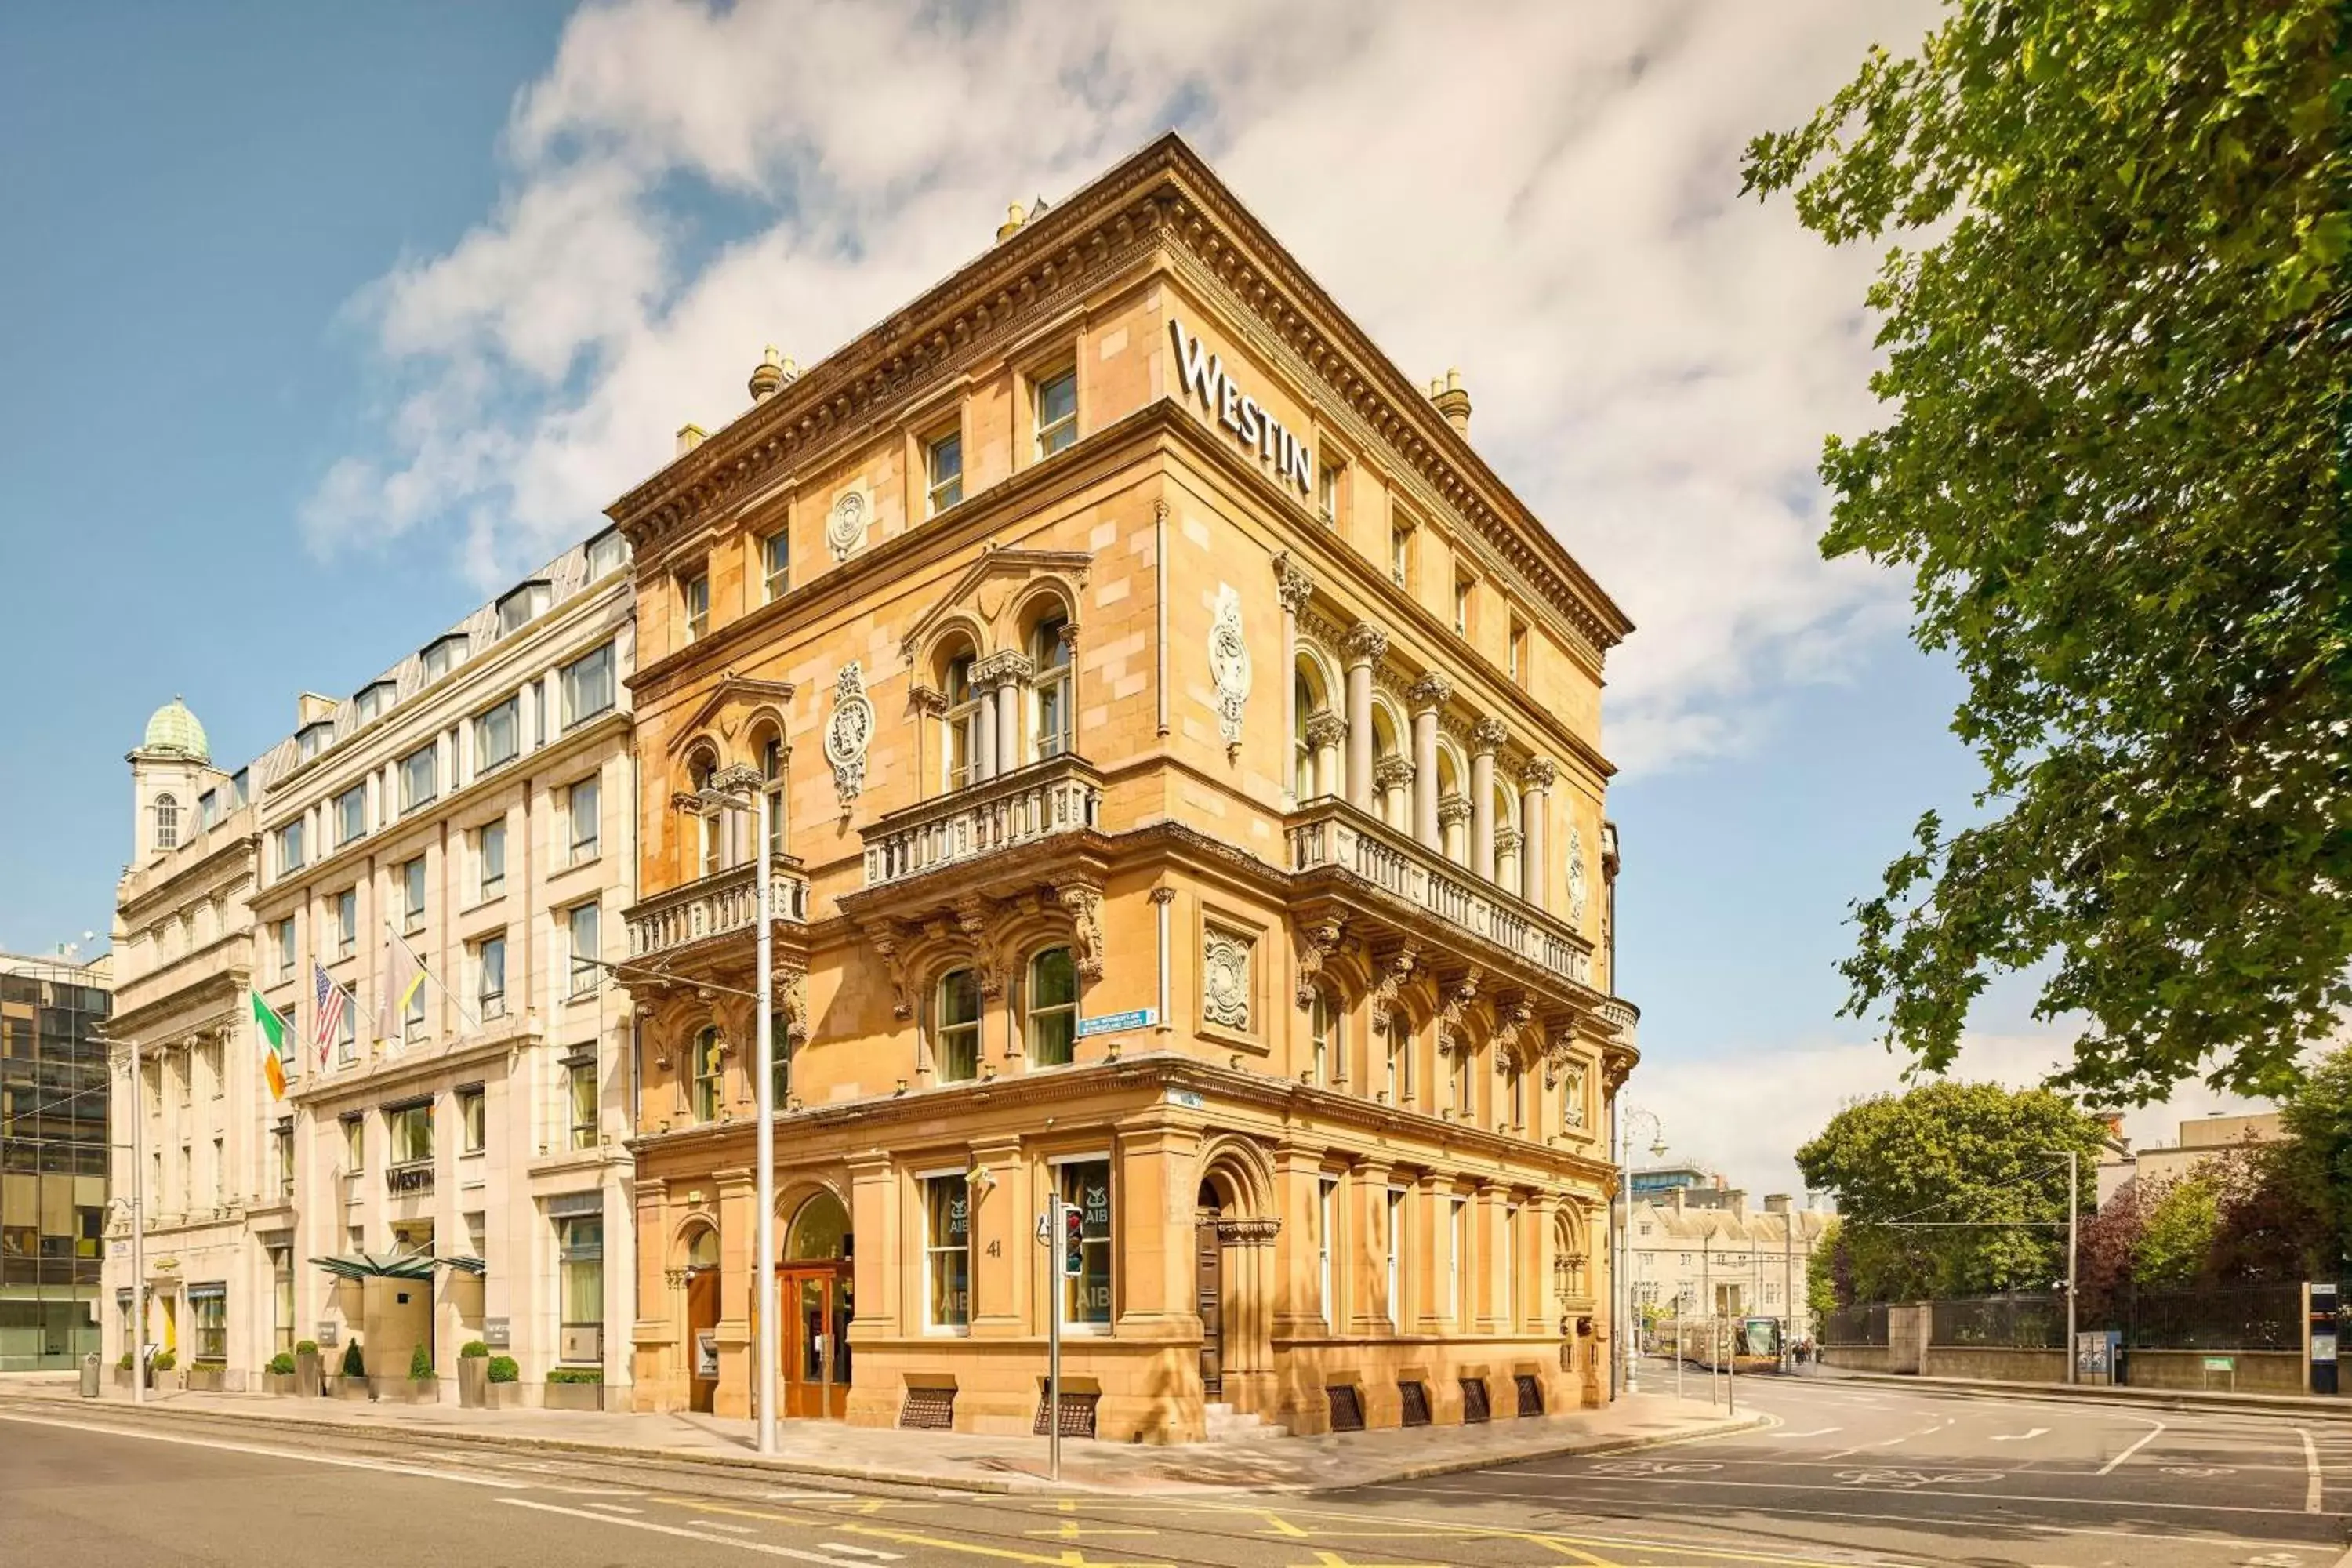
874 1219
983 735
1484 741
1294 588
1004 680
737 1196
1367 645
1297 1306
1365 1261
1453 829
1392 778
1428 695
999 1216
1325 732
1482 1281
1535 805
1508 872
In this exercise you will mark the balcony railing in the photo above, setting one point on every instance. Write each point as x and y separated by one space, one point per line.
1063 795
1328 833
415 1176
1620 1015
713 906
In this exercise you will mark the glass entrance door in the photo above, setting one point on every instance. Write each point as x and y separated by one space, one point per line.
818 1309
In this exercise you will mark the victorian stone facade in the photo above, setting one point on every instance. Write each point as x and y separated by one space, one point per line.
1185 759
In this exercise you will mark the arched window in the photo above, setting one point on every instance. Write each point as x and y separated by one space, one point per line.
1302 750
956 1046
772 770
1053 997
966 714
819 1231
1322 1035
702 1252
1049 657
167 822
780 1061
710 843
708 1057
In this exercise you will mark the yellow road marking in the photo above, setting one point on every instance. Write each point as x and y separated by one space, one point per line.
1071 1558
1565 1550
1071 1530
1545 1538
1333 1560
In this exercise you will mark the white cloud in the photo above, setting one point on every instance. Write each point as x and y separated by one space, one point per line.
1746 1114
1543 194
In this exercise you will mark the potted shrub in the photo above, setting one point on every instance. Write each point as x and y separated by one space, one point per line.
474 1375
166 1369
575 1388
277 1377
419 1387
506 1382
310 1374
353 1383
207 1376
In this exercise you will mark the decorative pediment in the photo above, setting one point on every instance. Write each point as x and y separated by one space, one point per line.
996 564
739 690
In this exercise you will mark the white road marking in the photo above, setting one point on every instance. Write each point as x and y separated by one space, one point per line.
385 1465
616 1507
1816 1432
2121 1505
861 1551
1862 1447
765 1548
2310 1458
2146 1438
2030 1432
721 1524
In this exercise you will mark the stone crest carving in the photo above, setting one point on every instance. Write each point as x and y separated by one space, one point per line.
845 525
1576 885
847 732
1572 1098
1229 666
1225 978
1084 905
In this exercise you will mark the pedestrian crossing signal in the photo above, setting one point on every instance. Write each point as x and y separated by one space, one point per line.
1074 1255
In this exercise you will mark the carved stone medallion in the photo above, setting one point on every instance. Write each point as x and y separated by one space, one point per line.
847 732
845 526
1229 666
1225 979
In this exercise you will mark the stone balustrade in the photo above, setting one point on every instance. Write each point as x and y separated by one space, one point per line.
1063 795
715 905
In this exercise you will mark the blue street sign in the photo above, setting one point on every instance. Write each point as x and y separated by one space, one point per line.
1112 1023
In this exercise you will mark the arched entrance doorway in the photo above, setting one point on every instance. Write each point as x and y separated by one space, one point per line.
702 1319
815 1286
1233 1261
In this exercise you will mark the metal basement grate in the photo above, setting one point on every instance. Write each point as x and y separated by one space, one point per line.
1347 1408
929 1410
1416 1402
1530 1394
1474 1401
1077 1415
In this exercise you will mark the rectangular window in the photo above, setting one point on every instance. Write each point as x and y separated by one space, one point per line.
776 565
581 922
491 859
473 1121
491 968
1326 1215
694 603
347 1034
412 895
1400 555
1396 1250
497 735
281 1283
1057 411
1454 1231
956 1048
289 847
1085 1186
1461 606
608 552
411 1023
350 815
1053 1008
285 933
355 1145
1519 650
581 1092
588 687
347 922
410 1130
210 1310
584 806
420 778
1326 490
281 1158
580 1289
947 1250
943 466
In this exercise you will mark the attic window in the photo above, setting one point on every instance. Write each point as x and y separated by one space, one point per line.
518 608
443 654
608 552
313 738
373 700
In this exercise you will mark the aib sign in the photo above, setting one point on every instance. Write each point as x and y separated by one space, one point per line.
1202 375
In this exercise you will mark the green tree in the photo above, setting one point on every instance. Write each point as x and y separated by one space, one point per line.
2114 320
2313 1171
1953 1189
1828 1284
2177 1231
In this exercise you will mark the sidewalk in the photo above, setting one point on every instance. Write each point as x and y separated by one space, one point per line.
2333 1407
943 1459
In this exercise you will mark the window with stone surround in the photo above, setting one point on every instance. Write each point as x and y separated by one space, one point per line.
955 1043
1052 994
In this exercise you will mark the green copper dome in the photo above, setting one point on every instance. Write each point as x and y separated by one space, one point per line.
173 729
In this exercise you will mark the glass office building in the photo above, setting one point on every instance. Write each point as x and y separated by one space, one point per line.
53 1159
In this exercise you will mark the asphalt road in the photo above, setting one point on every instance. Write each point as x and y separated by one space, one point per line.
1849 1476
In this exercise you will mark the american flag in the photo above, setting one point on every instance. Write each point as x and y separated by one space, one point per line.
331 1000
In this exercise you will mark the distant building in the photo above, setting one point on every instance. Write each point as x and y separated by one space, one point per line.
2202 1138
1703 1250
53 1101
1657 1181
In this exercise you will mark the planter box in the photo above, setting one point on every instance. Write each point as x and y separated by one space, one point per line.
573 1397
207 1379
166 1382
280 1384
407 1390
122 1376
353 1388
474 1382
505 1395
310 1375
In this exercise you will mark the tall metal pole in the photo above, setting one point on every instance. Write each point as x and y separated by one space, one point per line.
1058 1252
138 1234
770 1310
2074 1195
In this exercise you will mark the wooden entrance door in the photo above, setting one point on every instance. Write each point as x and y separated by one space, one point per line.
818 1307
1209 1295
702 1338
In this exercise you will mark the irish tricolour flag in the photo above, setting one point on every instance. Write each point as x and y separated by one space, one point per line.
273 1045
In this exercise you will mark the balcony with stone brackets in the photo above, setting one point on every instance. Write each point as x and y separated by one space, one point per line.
684 922
1013 811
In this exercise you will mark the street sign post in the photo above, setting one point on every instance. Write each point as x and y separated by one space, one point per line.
1057 1221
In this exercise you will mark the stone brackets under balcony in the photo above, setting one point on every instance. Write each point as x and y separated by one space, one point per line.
1340 852
1027 806
677 923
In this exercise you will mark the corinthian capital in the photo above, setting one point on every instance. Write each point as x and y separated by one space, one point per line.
1292 582
1488 735
1430 692
1365 644
1541 772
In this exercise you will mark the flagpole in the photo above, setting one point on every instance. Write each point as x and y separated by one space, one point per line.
427 970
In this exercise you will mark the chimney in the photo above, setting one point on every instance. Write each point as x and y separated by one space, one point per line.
1738 1205
1014 218
773 373
690 436
309 708
1452 400
1775 1203
1678 1202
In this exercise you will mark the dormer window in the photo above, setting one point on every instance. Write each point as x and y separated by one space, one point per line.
373 702
444 654
607 552
518 609
236 783
208 811
313 738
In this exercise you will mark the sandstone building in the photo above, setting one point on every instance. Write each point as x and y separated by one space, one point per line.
1189 796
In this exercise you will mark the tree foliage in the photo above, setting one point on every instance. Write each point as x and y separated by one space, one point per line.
1953 1189
2114 320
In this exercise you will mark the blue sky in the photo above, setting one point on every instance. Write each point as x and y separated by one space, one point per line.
324 321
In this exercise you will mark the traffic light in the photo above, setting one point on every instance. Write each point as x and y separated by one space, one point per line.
1074 1234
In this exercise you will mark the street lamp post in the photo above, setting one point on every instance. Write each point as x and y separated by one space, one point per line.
2074 1199
740 788
1622 1118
